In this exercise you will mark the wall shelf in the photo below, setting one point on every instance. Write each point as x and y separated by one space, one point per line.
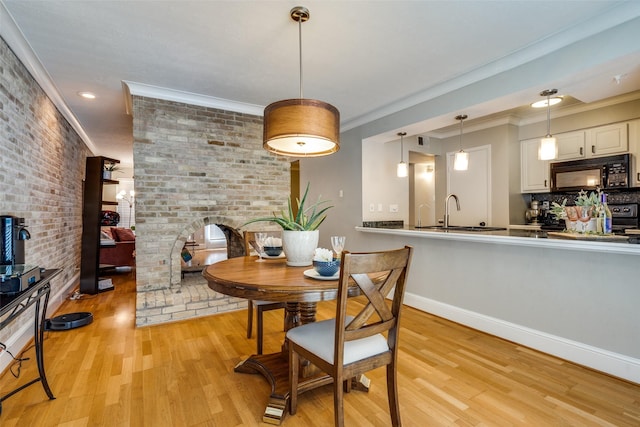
91 220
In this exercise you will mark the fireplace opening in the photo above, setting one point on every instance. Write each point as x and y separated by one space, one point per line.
205 246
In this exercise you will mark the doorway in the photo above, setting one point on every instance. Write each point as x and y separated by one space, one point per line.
422 189
295 185
473 187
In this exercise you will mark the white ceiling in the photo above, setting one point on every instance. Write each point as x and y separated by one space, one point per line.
368 58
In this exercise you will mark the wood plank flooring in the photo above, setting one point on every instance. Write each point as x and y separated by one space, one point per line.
181 374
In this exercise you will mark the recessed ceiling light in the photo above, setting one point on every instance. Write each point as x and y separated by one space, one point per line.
543 103
87 95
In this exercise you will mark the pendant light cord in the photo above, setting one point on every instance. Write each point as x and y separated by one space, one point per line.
548 116
300 51
401 135
461 117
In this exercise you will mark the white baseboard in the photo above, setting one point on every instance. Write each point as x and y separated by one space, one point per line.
22 337
615 364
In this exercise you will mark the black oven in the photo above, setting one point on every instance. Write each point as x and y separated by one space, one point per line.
624 216
607 173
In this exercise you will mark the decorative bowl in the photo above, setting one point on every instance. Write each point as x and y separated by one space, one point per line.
273 250
327 268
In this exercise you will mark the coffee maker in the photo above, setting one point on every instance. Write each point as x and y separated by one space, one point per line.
15 275
13 235
532 215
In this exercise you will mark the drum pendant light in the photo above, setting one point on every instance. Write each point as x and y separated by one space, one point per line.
402 170
301 127
461 159
548 147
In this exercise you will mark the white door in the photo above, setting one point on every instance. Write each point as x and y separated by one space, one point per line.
473 188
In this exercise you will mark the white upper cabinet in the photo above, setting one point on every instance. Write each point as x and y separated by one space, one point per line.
597 142
607 140
534 176
571 145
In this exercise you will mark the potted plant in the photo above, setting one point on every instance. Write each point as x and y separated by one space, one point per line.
581 217
300 231
109 169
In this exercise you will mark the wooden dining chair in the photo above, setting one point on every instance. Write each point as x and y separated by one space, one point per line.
347 346
260 306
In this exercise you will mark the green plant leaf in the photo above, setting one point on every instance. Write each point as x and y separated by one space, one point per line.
307 218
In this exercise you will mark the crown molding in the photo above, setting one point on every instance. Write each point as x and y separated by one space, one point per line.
15 39
150 91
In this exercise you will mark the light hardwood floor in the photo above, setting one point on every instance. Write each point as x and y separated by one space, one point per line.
181 374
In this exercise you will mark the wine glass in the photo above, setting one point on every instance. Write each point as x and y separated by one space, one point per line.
260 239
337 242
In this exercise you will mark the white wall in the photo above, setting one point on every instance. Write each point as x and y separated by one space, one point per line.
381 186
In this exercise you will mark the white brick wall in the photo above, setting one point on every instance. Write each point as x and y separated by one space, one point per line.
42 167
194 166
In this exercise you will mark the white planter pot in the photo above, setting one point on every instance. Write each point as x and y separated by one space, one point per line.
106 174
299 246
581 226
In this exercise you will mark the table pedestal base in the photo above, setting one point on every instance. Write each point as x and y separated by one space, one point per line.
275 368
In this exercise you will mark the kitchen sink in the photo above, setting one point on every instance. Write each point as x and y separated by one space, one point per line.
480 228
474 228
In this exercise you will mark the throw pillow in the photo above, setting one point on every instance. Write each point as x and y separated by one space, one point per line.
109 218
124 235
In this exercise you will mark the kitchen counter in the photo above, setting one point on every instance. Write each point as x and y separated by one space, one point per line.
577 300
518 237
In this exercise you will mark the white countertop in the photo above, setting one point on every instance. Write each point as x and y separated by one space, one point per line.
524 226
517 237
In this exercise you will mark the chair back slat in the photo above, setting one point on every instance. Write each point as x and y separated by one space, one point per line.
376 302
369 330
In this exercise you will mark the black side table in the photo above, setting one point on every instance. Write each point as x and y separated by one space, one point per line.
11 306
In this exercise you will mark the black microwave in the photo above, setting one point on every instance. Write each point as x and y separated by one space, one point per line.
607 173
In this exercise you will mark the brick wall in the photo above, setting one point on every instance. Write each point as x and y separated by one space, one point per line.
194 166
42 167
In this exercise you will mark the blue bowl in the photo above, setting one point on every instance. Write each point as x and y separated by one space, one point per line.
273 250
327 268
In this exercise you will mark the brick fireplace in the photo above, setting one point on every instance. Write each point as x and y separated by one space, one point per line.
194 166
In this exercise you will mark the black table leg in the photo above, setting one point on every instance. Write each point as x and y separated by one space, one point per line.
39 340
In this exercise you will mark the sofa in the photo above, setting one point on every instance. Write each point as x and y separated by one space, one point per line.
117 247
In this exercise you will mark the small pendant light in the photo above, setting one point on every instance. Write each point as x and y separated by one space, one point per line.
461 160
403 169
548 147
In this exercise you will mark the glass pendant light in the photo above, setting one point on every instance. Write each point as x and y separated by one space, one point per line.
461 159
301 127
548 147
403 169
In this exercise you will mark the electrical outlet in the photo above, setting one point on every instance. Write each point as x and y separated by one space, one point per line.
372 207
393 208
379 207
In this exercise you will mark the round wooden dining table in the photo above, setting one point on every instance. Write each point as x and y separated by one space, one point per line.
273 280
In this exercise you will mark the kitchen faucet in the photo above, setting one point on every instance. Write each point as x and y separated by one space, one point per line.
446 208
